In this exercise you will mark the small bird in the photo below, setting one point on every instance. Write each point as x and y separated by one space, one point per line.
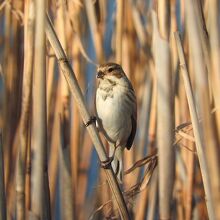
116 111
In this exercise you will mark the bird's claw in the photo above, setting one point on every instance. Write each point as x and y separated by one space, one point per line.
107 163
90 121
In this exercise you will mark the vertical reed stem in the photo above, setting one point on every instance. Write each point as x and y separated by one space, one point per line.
25 115
164 109
39 135
2 184
196 128
119 30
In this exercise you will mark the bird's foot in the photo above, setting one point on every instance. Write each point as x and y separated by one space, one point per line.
90 121
107 163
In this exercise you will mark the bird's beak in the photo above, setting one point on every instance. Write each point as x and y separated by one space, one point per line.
100 75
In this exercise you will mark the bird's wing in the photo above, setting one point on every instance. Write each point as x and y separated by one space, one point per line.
133 130
98 121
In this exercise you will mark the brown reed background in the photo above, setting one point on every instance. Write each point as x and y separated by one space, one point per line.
48 166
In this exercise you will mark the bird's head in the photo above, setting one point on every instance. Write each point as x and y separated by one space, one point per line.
111 71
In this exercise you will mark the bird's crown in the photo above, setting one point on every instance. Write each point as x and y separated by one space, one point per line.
113 69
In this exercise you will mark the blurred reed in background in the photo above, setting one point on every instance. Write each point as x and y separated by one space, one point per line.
48 166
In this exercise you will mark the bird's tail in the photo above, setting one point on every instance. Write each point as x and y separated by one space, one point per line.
117 163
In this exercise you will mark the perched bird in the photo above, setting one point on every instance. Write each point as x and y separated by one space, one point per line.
116 110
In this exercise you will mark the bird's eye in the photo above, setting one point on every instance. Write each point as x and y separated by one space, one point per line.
110 70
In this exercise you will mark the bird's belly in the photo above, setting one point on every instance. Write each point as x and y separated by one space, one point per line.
115 119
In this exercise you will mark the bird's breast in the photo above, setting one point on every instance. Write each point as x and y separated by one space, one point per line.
114 113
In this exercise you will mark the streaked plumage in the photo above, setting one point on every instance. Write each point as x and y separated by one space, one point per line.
116 111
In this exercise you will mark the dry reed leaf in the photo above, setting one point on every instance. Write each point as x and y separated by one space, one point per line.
141 185
151 162
83 51
185 135
148 174
100 208
142 162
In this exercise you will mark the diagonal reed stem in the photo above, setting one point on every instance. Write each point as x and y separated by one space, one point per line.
78 96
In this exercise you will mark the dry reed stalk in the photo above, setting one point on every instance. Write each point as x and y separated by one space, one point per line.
164 109
7 140
95 30
164 18
139 28
153 118
201 11
28 172
104 195
141 209
179 205
83 175
76 130
143 198
140 76
76 122
153 194
144 118
129 48
125 52
77 94
61 30
204 38
119 30
127 62
76 17
200 208
213 30
140 69
39 201
196 128
2 184
190 185
173 28
10 189
67 211
180 180
103 10
50 85
54 146
13 83
25 114
65 115
208 129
